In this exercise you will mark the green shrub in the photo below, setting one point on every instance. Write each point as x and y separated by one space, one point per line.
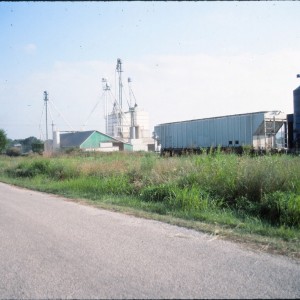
30 168
263 175
61 170
95 186
189 199
147 162
118 185
244 205
174 197
281 208
55 169
37 147
214 173
40 166
158 193
13 151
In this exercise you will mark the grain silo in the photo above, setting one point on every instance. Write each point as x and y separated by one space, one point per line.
130 124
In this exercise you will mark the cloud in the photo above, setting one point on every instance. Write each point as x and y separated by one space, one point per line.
170 88
30 48
175 88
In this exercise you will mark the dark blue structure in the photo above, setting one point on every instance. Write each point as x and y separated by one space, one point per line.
290 131
296 118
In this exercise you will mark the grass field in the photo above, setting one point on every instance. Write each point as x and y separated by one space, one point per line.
255 200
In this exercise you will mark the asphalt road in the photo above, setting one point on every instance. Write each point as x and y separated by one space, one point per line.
54 248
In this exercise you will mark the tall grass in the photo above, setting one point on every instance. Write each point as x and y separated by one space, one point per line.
265 187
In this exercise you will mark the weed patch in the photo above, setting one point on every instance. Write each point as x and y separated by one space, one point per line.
258 195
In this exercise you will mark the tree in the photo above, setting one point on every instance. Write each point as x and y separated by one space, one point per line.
29 144
37 147
3 140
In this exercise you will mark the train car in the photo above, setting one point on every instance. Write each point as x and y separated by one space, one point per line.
265 130
260 130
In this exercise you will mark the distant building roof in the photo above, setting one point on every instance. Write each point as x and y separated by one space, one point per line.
74 139
218 117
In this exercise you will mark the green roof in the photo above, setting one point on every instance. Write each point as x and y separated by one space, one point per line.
88 139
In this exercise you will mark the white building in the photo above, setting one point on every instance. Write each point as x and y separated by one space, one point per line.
132 126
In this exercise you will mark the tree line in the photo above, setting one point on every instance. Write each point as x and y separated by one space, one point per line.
19 146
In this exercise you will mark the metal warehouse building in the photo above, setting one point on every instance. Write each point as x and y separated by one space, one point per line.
89 141
262 130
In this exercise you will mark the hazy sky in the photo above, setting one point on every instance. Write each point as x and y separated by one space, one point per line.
187 60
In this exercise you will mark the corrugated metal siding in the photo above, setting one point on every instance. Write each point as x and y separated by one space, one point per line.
94 140
214 132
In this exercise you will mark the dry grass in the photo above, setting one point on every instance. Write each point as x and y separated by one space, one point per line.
91 168
246 194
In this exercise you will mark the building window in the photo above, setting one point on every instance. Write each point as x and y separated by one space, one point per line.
236 142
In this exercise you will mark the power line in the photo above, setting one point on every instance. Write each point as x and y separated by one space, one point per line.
60 114
94 108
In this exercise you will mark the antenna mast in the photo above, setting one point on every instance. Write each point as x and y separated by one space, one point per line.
119 70
46 104
106 88
120 112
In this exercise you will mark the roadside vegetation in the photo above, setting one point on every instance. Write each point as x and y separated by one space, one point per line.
252 199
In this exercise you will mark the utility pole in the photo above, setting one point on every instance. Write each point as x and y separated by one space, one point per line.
120 109
46 104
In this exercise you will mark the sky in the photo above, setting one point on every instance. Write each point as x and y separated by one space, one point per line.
187 60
